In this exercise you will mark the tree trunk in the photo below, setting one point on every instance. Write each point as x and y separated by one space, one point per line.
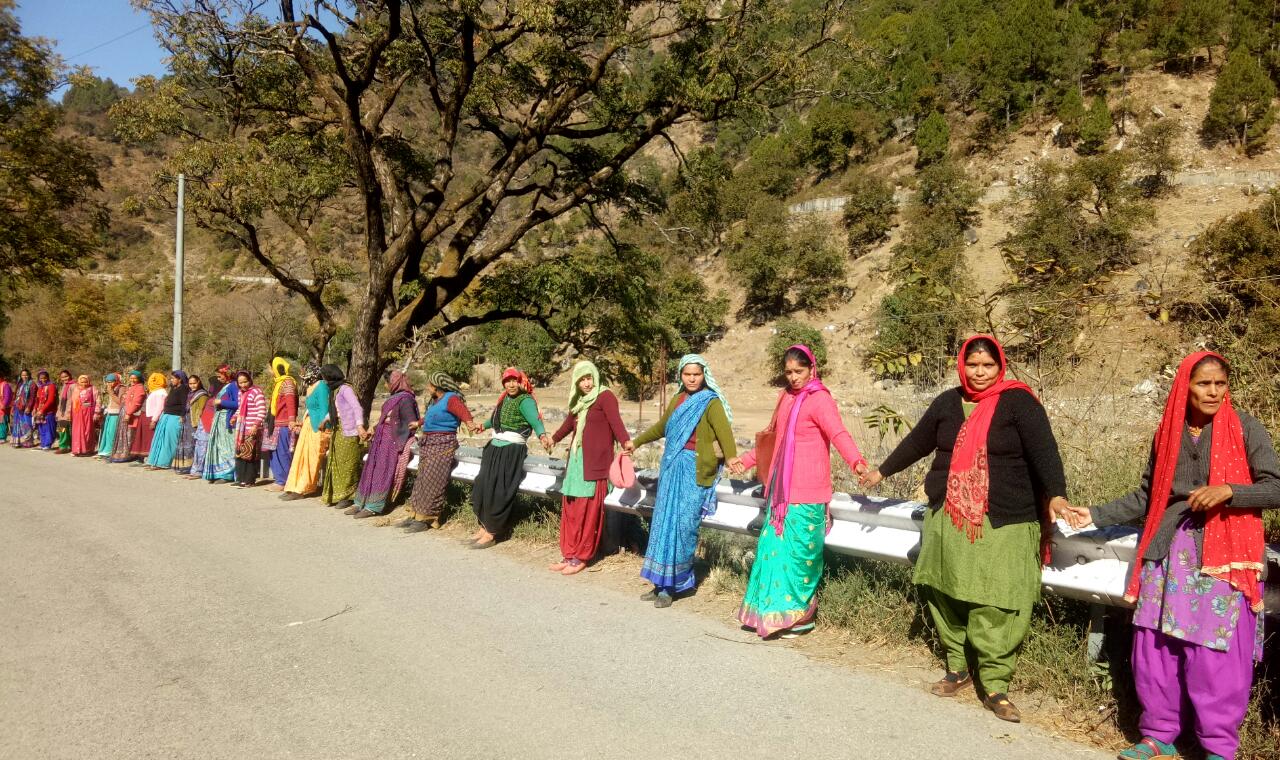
367 361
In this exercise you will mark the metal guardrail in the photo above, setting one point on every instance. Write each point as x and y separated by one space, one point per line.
1089 565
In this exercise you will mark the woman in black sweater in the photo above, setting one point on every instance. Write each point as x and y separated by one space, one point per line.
996 461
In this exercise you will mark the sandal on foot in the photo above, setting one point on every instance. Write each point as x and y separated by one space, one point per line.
649 595
1149 749
662 600
951 683
999 704
556 567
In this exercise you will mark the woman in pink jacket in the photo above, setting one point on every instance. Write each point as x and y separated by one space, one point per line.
782 591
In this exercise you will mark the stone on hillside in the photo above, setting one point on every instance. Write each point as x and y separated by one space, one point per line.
970 236
1147 388
1157 112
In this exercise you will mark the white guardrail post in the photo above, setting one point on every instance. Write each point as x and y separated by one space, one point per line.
1090 566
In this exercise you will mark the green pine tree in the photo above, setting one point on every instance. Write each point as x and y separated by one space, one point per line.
1096 127
1241 107
1071 113
933 137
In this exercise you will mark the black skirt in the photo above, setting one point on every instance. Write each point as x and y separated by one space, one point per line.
495 487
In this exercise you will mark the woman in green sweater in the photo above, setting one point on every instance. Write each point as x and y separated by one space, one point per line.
514 419
697 418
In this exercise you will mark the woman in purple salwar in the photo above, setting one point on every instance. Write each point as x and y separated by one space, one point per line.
1197 589
390 450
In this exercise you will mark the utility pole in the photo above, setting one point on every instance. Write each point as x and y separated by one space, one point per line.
178 276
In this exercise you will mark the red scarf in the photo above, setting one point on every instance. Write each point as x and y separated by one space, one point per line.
523 381
1233 537
968 482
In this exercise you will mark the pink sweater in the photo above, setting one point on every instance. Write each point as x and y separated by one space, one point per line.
817 429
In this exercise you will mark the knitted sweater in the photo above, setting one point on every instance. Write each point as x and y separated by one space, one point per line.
818 428
1022 455
713 427
602 428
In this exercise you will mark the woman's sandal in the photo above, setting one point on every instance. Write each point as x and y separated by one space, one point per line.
951 683
1149 749
999 704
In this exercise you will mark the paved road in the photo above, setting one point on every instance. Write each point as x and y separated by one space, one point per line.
146 617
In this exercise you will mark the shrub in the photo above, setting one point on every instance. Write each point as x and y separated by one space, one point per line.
1096 127
789 332
932 139
868 212
1240 106
929 309
1071 113
834 128
457 361
520 343
1157 154
782 269
1077 229
1241 316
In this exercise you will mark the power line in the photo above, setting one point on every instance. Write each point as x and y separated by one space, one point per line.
100 45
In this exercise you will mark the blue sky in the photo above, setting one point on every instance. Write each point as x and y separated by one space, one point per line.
109 36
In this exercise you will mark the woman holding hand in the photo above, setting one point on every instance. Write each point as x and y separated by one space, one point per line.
1196 584
995 462
781 593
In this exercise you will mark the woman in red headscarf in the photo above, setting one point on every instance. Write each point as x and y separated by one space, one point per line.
514 419
1198 627
781 595
996 462
389 451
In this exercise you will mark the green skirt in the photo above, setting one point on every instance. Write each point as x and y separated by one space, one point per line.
999 569
107 438
782 590
342 473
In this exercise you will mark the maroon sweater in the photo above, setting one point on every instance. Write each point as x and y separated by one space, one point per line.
604 426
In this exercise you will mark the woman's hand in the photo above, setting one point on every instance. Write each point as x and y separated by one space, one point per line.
869 479
736 467
1078 518
861 469
629 447
1208 497
547 442
234 419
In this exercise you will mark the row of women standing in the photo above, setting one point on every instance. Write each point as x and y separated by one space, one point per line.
41 414
995 483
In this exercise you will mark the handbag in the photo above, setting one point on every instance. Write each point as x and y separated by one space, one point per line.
766 442
248 448
622 473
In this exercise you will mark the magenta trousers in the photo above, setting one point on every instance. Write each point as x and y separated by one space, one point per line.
1183 685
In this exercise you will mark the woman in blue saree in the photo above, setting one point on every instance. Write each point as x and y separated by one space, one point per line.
697 419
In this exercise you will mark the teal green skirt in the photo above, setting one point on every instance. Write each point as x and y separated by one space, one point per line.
107 438
782 590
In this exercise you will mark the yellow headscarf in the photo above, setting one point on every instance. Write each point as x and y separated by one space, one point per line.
156 381
280 368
